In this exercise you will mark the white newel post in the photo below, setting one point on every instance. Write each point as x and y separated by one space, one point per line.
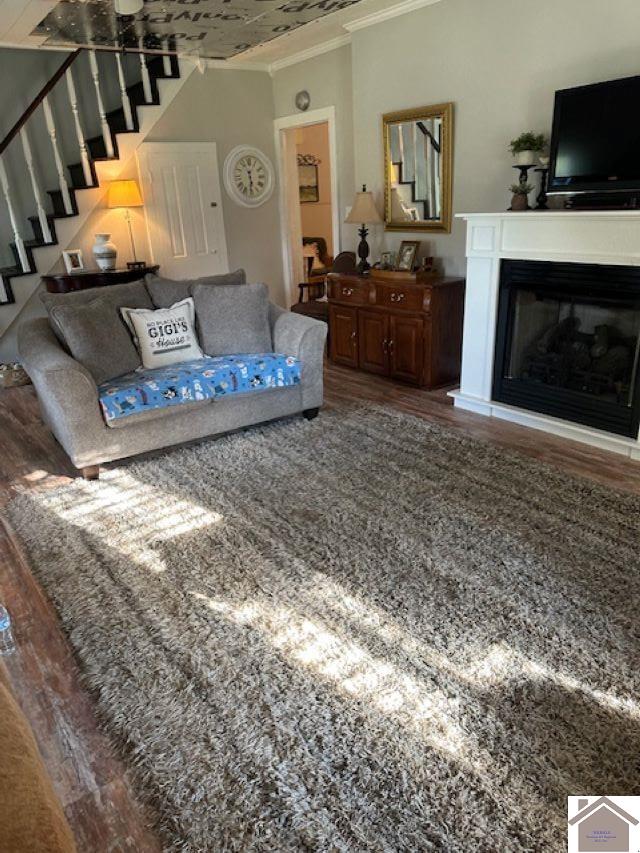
84 154
13 219
62 178
126 103
588 237
35 186
104 125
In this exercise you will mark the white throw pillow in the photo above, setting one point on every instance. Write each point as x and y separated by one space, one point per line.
165 336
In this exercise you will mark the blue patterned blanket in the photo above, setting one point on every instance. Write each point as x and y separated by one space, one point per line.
189 381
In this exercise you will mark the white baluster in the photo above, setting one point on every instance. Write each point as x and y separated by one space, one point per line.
166 60
17 237
84 154
62 178
126 103
146 80
35 186
106 133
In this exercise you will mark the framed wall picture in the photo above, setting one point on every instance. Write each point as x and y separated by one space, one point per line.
308 181
387 260
407 255
73 260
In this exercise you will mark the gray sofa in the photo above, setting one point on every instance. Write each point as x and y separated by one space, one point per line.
68 397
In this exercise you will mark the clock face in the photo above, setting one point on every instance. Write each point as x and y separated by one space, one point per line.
248 176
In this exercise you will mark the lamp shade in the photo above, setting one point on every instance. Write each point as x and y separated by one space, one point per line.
124 194
364 210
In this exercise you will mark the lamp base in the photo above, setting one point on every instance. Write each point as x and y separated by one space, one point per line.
363 252
136 265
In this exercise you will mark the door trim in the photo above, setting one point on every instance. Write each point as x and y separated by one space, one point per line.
147 149
319 116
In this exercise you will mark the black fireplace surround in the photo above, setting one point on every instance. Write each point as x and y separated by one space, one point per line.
568 341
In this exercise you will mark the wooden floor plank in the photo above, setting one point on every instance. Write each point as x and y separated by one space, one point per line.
90 779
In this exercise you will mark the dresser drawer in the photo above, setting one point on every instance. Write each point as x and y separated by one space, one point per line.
356 292
399 296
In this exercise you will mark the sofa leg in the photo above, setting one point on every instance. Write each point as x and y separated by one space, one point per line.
92 472
310 414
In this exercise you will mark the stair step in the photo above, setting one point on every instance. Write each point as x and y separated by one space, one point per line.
37 229
76 173
58 204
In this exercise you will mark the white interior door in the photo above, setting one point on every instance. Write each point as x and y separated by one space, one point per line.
183 208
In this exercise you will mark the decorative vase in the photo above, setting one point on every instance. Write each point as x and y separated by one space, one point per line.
105 252
519 201
525 158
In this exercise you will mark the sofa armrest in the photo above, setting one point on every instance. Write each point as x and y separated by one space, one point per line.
66 390
295 334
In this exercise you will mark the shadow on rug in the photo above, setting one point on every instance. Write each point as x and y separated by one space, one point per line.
359 633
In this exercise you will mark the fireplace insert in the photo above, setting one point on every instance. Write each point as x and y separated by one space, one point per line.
568 342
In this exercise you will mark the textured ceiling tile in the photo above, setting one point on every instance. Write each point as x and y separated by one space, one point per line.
217 29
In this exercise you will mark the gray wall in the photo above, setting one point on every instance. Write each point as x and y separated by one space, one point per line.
501 74
232 108
328 80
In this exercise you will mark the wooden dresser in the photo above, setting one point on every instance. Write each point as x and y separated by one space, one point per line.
410 330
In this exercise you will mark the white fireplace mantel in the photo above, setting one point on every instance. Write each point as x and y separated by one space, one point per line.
596 237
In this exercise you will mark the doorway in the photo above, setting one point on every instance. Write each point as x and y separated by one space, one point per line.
310 225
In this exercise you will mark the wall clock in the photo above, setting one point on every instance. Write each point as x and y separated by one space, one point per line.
248 176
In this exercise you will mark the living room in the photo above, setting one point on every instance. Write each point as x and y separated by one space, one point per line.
319 418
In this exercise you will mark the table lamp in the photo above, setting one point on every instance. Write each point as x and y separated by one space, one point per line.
364 212
126 194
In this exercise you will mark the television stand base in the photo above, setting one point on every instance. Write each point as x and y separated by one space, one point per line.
603 201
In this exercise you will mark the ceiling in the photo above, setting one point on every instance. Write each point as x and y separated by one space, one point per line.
258 33
216 29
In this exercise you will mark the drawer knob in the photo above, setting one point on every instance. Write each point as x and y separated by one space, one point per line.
397 297
347 291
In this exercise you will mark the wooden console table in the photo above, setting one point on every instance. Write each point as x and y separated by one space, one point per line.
407 329
84 279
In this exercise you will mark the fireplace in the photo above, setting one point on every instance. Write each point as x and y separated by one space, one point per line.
568 342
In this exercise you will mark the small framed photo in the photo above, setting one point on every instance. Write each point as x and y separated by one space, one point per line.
387 260
407 255
73 260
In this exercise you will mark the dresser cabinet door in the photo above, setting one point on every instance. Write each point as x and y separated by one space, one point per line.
343 322
373 341
406 348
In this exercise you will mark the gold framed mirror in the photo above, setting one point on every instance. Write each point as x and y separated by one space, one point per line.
418 162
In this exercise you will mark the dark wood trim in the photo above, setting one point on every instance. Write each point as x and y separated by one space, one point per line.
39 98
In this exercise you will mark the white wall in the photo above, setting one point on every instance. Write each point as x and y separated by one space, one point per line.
500 62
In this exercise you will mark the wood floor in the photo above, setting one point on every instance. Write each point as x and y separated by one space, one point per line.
90 779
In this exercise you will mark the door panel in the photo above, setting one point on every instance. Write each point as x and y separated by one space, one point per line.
344 335
406 347
373 334
183 208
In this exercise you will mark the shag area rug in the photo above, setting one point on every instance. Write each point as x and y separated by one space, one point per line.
364 633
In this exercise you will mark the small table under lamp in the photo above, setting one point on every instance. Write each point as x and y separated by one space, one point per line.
126 194
364 212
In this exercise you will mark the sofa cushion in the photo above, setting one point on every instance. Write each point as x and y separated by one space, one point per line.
233 319
194 381
166 292
164 336
97 336
134 294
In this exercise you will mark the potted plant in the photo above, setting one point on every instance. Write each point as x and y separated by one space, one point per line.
525 147
519 200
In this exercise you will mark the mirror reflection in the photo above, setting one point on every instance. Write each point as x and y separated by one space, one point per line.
418 169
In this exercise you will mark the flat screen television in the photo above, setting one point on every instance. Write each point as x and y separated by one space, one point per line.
595 142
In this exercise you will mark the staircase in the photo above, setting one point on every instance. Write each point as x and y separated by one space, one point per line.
415 154
85 94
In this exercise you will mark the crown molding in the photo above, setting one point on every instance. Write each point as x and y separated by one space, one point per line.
310 52
386 14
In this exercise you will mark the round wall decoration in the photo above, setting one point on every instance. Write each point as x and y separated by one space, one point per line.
248 176
303 100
